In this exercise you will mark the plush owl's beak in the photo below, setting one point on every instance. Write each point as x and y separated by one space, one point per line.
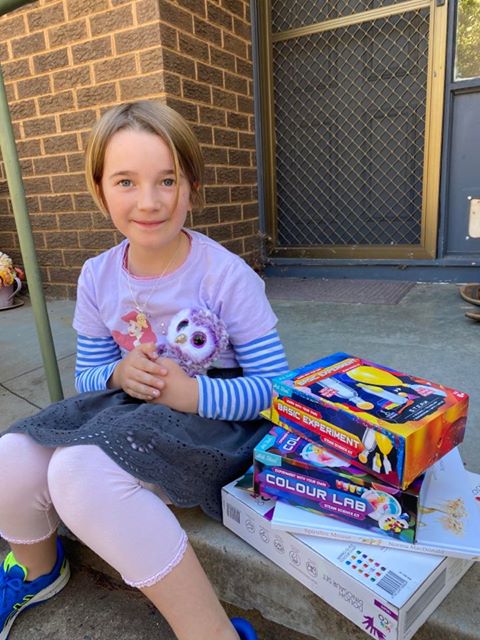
181 338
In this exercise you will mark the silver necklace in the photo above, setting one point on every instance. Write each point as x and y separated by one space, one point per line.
142 315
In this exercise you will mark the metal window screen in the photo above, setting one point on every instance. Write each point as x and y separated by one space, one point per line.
349 126
291 14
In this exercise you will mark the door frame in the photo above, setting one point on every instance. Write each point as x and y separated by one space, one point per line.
427 248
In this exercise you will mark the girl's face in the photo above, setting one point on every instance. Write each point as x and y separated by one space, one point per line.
139 190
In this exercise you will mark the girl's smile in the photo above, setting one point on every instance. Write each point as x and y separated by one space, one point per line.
145 202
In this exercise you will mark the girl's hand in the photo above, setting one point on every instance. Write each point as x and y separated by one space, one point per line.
180 391
139 374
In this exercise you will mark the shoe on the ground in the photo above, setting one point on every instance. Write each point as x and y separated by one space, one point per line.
470 293
17 594
473 315
244 629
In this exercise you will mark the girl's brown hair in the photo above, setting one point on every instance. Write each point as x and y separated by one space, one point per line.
154 117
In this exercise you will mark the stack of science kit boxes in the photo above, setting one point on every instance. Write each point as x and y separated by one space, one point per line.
353 439
361 468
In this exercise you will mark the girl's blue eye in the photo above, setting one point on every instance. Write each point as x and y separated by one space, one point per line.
169 182
125 182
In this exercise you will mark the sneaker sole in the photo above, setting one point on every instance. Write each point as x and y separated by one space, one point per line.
39 598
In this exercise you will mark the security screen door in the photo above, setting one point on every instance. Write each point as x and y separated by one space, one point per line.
352 105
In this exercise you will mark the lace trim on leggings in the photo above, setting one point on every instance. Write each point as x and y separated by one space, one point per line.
34 541
149 582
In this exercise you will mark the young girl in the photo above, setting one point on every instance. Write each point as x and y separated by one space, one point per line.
154 422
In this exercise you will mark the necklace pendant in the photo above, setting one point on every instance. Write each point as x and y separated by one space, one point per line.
141 319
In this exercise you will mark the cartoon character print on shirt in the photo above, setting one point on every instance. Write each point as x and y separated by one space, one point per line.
138 331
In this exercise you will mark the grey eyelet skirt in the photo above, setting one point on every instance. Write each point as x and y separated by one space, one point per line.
189 457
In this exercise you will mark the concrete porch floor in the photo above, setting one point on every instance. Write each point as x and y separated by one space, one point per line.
425 334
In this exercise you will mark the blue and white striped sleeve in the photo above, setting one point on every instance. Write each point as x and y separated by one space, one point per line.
96 360
243 398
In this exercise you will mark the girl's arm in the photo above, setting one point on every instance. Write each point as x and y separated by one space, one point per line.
96 360
243 398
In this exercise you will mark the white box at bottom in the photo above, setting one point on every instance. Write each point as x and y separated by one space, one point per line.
386 592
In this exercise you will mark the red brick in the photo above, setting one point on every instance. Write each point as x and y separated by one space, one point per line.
193 47
16 69
96 95
56 144
56 103
28 148
147 11
50 165
194 6
44 221
92 50
196 91
141 87
12 26
71 78
62 239
219 17
23 109
28 45
242 29
97 240
211 75
47 62
186 109
45 17
39 127
50 204
33 87
84 202
76 162
234 6
178 64
168 36
78 8
68 33
222 59
118 67
111 21
69 183
224 99
75 220
226 175
206 31
175 16
78 120
203 134
210 115
137 39
37 185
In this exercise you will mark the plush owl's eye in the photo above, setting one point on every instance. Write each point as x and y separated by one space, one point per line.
199 339
181 325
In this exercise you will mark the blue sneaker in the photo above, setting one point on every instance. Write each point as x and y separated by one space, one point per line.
243 628
17 594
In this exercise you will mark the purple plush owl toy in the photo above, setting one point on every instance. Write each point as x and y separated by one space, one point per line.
195 338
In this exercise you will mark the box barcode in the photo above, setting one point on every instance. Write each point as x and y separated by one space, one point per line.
233 513
392 583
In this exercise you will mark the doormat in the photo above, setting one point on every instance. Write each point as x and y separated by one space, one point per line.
338 291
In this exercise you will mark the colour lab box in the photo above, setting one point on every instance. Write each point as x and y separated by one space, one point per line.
387 593
288 467
391 424
448 522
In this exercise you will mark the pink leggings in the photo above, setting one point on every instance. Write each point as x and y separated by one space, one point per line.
113 513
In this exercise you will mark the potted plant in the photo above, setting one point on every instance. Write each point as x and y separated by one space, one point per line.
10 281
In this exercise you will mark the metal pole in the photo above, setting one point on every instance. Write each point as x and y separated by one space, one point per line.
10 5
27 247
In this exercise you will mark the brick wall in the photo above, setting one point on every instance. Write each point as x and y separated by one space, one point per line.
66 61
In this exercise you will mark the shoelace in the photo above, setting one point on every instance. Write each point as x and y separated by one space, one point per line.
8 583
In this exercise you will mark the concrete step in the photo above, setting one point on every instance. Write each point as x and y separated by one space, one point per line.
96 605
